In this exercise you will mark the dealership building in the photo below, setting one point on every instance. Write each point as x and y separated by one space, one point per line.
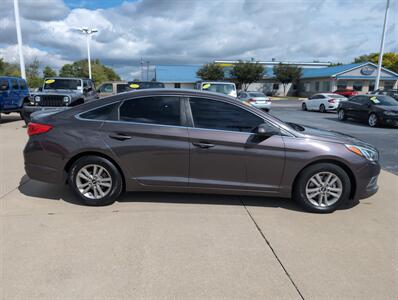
316 77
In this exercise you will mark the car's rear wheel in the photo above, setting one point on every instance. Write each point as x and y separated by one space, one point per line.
322 108
322 188
372 120
304 106
95 180
341 115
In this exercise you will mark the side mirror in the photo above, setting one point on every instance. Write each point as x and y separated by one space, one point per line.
265 130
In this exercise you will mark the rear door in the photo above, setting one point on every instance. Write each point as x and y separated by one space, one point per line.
15 94
225 154
151 140
5 94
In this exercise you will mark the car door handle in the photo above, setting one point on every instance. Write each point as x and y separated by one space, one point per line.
203 145
120 137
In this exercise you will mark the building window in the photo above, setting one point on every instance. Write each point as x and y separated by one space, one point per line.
177 85
357 86
341 84
275 86
316 86
371 86
326 86
388 85
307 87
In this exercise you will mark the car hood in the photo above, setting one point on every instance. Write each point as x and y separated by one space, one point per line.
72 93
328 135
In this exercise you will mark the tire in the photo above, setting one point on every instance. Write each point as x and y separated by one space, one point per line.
372 120
304 107
322 108
341 115
305 187
111 188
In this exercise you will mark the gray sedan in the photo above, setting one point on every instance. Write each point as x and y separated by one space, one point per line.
177 140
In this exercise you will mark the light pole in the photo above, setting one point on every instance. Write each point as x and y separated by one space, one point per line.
88 33
382 47
19 37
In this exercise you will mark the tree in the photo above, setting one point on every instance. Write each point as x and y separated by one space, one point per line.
100 72
246 73
390 60
32 74
9 69
49 72
286 74
211 72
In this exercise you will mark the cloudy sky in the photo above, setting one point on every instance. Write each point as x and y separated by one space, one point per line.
196 31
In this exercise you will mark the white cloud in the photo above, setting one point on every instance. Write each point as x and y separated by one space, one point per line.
200 31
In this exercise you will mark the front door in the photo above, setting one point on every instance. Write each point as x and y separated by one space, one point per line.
224 153
150 141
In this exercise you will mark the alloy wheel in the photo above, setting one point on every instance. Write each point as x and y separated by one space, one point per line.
372 120
94 181
324 189
341 115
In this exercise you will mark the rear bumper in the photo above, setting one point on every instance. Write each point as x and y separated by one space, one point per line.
262 105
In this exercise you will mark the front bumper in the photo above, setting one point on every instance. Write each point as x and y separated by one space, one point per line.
390 121
366 181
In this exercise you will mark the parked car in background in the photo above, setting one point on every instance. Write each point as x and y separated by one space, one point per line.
346 92
180 140
13 93
58 92
323 102
226 88
256 99
391 93
110 88
373 109
141 85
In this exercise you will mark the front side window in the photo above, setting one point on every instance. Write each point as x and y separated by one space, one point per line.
14 84
162 110
106 88
212 114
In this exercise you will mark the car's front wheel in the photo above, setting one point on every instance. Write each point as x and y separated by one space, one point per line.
322 108
95 180
322 188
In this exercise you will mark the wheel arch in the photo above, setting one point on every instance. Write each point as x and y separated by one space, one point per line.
73 159
335 162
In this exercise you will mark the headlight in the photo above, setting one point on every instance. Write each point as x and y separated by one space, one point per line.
66 99
37 98
390 113
368 153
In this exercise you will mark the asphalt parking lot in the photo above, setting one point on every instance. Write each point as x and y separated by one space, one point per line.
385 139
184 246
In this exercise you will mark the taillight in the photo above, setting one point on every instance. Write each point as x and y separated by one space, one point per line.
331 100
36 128
251 100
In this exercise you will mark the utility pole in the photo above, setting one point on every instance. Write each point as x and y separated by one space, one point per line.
19 37
382 47
147 70
88 33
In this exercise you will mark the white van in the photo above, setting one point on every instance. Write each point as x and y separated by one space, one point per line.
227 88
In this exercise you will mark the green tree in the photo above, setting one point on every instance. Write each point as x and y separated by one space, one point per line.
32 74
211 72
286 74
49 72
9 69
390 60
246 73
100 72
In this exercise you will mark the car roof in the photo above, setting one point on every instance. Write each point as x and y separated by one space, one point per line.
11 77
57 77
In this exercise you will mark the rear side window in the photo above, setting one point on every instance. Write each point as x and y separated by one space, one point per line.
122 87
14 84
22 85
107 112
212 114
162 110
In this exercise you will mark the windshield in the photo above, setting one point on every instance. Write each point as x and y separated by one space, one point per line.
224 88
136 85
256 94
384 100
62 84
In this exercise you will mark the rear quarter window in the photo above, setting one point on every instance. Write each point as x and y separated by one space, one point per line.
107 112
